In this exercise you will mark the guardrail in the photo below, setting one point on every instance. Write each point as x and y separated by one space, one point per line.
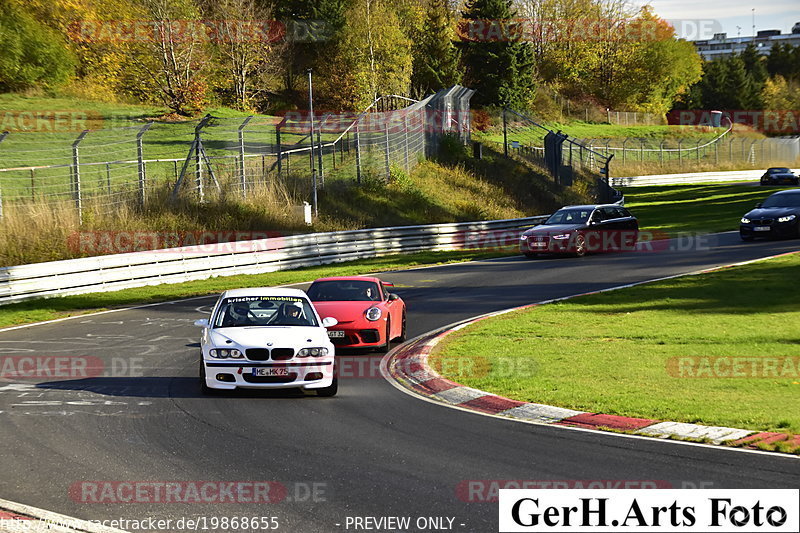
175 265
688 178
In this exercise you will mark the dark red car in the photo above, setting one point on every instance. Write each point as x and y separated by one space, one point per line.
582 229
369 315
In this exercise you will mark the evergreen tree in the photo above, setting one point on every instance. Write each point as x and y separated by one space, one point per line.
713 86
741 91
755 65
779 60
436 59
498 61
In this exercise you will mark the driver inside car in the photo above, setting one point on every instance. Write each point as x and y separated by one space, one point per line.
293 315
238 315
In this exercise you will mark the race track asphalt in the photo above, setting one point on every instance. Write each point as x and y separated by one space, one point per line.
370 451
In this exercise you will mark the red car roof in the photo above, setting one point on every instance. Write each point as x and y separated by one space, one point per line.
349 278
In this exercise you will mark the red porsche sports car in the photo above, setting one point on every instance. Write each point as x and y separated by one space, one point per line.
369 315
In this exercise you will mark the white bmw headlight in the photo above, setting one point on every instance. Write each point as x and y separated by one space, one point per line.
225 353
373 313
313 352
745 220
561 237
788 218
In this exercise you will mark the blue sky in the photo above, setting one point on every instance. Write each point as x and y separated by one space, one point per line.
698 20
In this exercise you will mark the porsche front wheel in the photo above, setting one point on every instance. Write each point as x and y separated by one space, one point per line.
402 337
388 346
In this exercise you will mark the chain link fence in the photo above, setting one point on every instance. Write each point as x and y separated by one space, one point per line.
232 157
690 152
564 158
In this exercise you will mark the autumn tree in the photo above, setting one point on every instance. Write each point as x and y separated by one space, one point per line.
171 62
248 46
32 54
371 57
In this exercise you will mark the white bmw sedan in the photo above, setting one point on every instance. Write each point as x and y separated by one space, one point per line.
266 338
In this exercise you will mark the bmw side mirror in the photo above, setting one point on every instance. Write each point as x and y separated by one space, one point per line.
202 323
329 322
393 296
758 205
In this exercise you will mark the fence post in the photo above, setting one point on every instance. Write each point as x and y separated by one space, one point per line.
680 153
242 173
198 157
697 149
358 154
278 145
386 133
319 152
730 149
33 185
623 148
3 135
716 153
76 175
505 134
641 151
108 176
140 160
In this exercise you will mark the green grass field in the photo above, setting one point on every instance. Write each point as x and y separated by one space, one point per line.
694 208
617 352
652 135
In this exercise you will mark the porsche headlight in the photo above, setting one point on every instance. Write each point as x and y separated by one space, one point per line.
373 313
226 353
312 352
788 218
561 237
745 220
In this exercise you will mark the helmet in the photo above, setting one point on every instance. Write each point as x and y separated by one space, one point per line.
240 309
294 309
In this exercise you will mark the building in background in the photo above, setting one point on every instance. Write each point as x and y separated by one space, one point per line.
722 46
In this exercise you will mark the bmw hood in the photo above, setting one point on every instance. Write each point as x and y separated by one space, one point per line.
260 336
772 212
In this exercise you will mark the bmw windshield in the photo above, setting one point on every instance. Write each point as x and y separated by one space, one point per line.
782 200
264 311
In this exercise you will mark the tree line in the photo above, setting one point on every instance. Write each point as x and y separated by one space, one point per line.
748 81
254 54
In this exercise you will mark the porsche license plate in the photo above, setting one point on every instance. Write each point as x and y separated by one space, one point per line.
761 228
335 334
271 372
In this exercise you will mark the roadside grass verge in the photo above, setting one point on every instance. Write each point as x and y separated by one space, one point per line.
52 308
703 208
628 352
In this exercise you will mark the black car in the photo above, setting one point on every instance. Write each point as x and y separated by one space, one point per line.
779 176
582 229
777 216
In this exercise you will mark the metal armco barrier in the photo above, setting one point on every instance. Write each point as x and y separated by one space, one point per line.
175 265
696 177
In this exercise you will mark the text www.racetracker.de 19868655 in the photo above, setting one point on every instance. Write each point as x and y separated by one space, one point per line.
193 523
